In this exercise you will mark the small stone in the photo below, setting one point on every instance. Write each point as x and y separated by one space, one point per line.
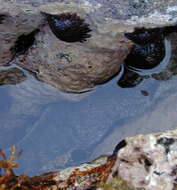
144 93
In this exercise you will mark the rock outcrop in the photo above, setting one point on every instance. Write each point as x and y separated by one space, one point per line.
147 162
27 38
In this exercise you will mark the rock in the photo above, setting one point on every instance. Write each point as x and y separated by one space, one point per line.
74 66
15 20
144 162
149 161
70 67
11 76
77 67
171 68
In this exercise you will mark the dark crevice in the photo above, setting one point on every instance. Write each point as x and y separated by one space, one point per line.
2 18
147 162
166 143
158 173
24 42
119 146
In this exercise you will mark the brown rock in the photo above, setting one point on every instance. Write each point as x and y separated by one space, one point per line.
15 20
71 66
11 76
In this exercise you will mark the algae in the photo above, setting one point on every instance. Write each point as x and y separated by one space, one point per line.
115 184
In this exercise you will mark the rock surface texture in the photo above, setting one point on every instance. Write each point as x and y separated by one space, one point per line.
27 38
146 162
11 76
149 161
143 162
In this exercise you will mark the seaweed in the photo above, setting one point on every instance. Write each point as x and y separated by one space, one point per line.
9 181
115 184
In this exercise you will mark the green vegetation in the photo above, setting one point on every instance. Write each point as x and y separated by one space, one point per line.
116 184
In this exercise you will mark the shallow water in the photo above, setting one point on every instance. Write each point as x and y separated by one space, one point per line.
57 130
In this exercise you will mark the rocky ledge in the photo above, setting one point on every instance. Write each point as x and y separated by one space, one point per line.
29 36
143 162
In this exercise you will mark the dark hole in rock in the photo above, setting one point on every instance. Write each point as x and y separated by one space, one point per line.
147 162
123 160
166 142
24 42
115 174
157 173
68 27
2 18
120 145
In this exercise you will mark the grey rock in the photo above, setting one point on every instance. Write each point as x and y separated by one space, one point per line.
145 162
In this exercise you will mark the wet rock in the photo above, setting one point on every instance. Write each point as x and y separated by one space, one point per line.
70 66
152 56
15 20
11 76
171 68
77 66
129 79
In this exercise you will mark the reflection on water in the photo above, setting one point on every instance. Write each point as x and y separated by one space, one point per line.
143 61
57 130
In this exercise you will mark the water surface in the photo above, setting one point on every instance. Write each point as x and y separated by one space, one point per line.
56 130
